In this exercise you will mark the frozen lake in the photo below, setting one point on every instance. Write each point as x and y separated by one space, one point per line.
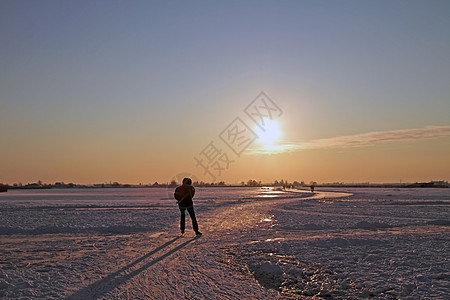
257 243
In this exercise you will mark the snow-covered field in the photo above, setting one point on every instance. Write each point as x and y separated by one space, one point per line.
257 243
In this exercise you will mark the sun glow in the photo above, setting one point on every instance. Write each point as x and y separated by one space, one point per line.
270 135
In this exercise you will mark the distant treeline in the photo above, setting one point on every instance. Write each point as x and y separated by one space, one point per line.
250 183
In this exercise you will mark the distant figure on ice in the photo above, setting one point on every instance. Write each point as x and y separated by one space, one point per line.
184 194
312 188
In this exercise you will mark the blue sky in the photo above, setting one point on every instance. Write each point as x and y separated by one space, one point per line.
139 78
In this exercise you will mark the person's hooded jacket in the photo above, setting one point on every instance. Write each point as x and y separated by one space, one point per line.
184 194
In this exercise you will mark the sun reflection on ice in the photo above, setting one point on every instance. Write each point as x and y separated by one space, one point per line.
270 192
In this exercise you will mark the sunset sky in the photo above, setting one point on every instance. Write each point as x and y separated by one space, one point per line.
135 91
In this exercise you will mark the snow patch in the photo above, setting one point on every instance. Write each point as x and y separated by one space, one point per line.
268 274
289 276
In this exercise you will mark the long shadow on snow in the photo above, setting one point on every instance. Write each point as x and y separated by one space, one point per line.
114 280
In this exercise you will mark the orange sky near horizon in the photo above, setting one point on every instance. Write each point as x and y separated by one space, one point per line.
411 161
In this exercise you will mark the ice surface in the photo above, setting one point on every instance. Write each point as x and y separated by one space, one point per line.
257 243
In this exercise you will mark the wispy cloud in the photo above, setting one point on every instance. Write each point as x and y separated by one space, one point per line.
360 140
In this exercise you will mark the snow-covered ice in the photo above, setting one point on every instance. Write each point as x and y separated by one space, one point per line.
258 243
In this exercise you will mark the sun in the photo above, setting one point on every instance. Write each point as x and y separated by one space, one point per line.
271 135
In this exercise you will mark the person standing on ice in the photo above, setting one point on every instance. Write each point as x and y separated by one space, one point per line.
184 194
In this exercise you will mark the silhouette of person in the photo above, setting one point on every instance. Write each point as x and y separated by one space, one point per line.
312 188
184 194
